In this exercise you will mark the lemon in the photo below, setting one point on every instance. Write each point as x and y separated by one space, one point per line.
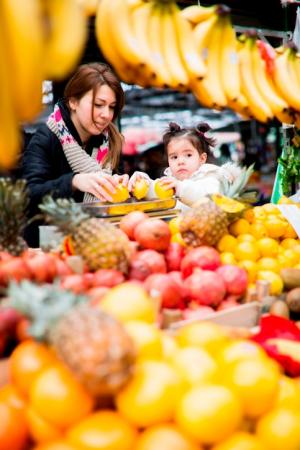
268 263
162 192
140 189
288 243
206 335
174 224
147 339
259 213
270 208
258 230
226 243
276 283
248 214
121 194
227 258
289 393
240 226
246 250
239 350
290 232
246 237
241 440
268 246
275 227
250 267
178 238
292 257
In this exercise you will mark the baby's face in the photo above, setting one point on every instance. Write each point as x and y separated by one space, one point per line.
184 158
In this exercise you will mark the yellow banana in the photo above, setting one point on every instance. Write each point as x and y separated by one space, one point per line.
264 82
170 48
288 116
103 31
240 106
297 120
201 35
197 13
89 6
230 74
24 40
192 61
284 76
211 86
9 127
258 107
66 39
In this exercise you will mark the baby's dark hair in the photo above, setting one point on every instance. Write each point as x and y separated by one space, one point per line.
196 135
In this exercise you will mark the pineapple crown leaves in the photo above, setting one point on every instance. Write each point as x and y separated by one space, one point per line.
65 213
42 305
14 201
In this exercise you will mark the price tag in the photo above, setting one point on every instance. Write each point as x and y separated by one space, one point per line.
292 215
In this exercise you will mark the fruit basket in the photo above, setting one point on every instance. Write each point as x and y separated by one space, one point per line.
100 209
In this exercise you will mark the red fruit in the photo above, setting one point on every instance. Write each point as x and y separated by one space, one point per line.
203 257
62 268
227 304
177 277
75 283
235 278
14 269
163 286
153 234
9 317
96 293
205 287
107 277
5 256
145 263
200 313
174 255
129 222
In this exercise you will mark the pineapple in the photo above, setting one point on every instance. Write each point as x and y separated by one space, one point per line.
91 343
204 224
13 203
101 244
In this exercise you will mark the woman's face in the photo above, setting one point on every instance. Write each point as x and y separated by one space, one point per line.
102 110
184 158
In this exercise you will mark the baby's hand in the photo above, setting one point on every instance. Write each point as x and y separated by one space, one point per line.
169 182
135 177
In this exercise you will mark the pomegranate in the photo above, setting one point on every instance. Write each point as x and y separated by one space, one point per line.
205 287
153 234
14 269
96 293
130 221
42 266
75 283
204 257
174 255
107 278
163 286
62 268
235 278
177 277
146 262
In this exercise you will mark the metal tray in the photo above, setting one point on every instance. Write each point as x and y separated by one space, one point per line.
100 209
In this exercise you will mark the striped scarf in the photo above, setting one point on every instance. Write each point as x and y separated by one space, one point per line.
77 157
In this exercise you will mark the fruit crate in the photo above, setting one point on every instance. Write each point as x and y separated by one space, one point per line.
246 315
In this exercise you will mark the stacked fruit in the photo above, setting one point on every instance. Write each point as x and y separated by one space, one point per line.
201 388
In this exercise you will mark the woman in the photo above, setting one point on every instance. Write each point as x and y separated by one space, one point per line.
76 151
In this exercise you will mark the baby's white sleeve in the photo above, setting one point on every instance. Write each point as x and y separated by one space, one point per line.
190 191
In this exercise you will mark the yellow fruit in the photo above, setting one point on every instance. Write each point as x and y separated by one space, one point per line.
164 436
206 335
276 283
250 267
129 301
288 243
140 189
268 246
248 214
151 394
147 339
279 429
194 365
246 250
258 230
227 243
162 192
275 227
291 257
259 213
227 258
268 263
241 440
169 345
240 226
121 194
289 393
209 413
178 238
290 232
246 237
256 383
174 224
285 201
239 350
270 208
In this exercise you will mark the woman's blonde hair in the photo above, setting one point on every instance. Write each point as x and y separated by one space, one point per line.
89 77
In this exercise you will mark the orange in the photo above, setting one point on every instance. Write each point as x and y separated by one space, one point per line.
194 365
209 413
270 208
53 395
138 304
240 440
250 267
206 335
275 280
239 226
9 394
268 246
248 214
279 429
13 428
256 383
246 237
26 362
227 243
164 437
227 258
246 250
291 257
41 430
147 339
275 226
289 232
268 263
259 213
56 445
257 230
103 430
289 243
151 394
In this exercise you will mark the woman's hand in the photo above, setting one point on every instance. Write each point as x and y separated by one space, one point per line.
122 179
136 176
169 182
101 185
